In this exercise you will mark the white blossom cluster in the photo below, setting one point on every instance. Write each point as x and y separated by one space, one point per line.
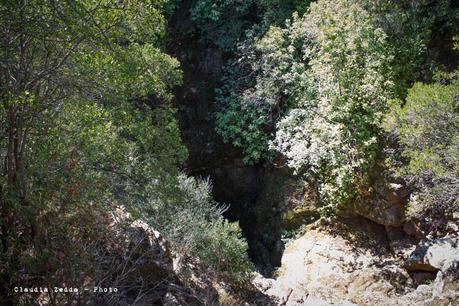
332 129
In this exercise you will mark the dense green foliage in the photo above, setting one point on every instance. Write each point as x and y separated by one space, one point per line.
334 129
428 125
87 125
221 21
194 225
316 89
325 79
224 23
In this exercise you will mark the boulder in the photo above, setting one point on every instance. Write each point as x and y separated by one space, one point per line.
443 290
384 204
299 204
136 263
438 255
149 249
401 244
339 264
323 268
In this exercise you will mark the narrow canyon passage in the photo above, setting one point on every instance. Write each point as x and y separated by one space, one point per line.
249 190
322 260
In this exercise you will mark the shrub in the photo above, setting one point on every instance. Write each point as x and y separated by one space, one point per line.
267 79
316 90
223 21
428 129
194 225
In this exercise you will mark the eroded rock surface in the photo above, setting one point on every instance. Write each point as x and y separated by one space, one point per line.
352 265
385 204
136 260
436 255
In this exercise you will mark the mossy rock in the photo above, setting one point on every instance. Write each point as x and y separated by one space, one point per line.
301 208
295 218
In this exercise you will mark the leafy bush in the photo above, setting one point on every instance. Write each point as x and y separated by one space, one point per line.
428 128
226 22
317 88
223 21
243 126
194 225
333 130
321 85
276 12
250 105
89 126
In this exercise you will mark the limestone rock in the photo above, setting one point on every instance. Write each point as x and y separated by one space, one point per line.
437 255
412 229
444 290
330 266
385 201
320 269
384 205
136 261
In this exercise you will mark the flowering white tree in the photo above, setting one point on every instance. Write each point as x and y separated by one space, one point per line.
333 128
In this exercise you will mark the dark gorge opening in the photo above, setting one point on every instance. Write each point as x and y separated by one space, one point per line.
249 190
245 190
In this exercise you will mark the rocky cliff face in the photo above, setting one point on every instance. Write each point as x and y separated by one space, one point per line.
333 262
138 266
352 263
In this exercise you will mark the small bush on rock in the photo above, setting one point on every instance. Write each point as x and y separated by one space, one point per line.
194 225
